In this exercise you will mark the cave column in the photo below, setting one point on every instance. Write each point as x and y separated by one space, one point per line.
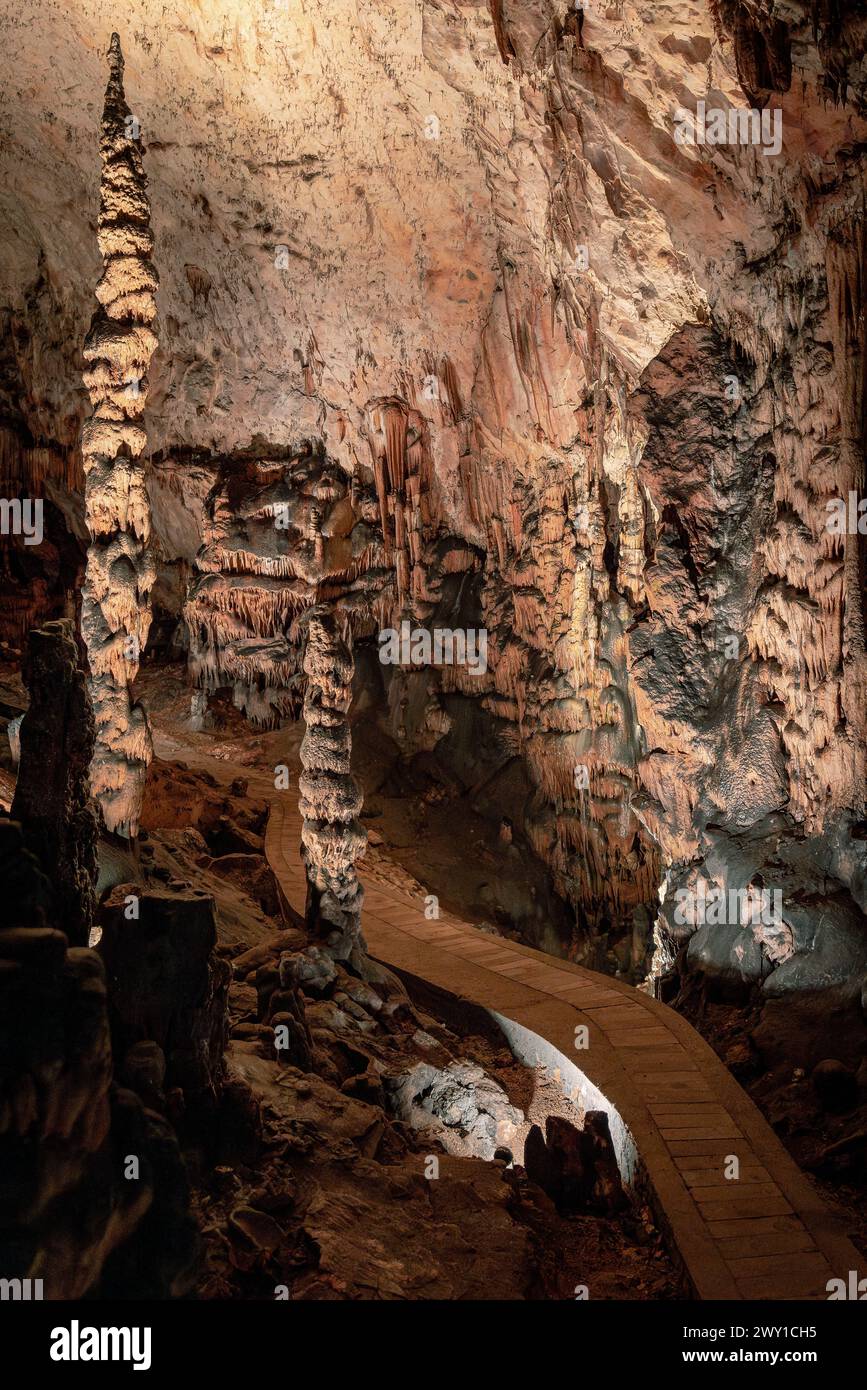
332 838
116 608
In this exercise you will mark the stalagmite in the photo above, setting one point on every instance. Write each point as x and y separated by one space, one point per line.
51 795
332 838
116 612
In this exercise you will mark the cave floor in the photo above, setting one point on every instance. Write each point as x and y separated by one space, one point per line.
228 764
765 1234
330 1201
766 1242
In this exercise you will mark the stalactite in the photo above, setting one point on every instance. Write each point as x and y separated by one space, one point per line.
400 455
333 840
116 611
30 466
279 537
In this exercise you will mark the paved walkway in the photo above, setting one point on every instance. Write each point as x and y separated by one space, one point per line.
675 1111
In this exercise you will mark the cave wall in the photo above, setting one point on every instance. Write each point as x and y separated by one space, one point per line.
439 282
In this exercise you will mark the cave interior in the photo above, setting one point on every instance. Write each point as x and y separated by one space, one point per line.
432 625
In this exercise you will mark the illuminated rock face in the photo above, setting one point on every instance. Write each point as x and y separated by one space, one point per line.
116 611
333 840
279 535
585 384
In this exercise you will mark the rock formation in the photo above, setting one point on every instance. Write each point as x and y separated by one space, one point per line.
526 318
55 1089
332 838
569 372
116 610
279 536
91 1179
577 1168
52 798
168 989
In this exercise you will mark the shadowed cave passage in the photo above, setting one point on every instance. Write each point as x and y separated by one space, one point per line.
432 652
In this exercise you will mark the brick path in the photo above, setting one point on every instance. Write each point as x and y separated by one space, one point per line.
675 1111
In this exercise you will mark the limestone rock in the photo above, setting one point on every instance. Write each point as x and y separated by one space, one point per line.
577 1168
52 795
458 1102
591 390
116 611
332 837
167 985
279 534
68 1208
836 1086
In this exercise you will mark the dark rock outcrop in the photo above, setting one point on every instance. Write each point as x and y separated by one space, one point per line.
52 791
577 1168
85 1170
167 985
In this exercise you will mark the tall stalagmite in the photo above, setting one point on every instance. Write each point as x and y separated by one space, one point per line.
332 838
116 612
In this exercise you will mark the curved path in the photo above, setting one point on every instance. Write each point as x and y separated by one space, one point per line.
676 1113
